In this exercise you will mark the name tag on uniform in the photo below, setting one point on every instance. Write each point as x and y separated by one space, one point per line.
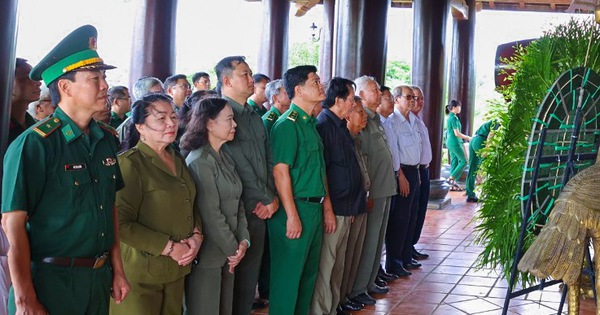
75 167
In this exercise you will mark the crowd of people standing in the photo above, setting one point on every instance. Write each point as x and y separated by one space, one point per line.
186 203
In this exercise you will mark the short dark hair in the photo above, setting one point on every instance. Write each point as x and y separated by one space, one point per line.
20 62
172 81
190 101
337 87
196 134
225 68
198 75
296 76
258 77
116 92
452 104
53 86
384 88
139 112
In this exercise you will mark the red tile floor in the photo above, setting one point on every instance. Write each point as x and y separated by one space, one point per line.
448 284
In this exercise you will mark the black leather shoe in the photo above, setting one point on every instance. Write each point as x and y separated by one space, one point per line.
363 298
399 272
412 265
351 306
259 304
387 277
473 199
339 311
419 256
379 290
380 282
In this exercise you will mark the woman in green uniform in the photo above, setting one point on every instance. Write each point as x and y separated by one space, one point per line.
159 235
454 143
477 143
209 288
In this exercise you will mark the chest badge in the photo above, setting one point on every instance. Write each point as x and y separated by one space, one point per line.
109 161
75 167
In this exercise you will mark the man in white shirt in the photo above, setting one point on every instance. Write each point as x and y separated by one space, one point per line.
426 156
403 214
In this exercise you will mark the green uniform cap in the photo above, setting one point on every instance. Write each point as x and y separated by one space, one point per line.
77 51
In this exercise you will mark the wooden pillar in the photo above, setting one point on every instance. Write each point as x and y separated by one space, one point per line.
8 38
153 47
462 67
273 51
361 38
428 69
326 56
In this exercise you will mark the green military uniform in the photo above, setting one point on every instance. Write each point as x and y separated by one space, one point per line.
154 207
476 144
258 109
209 288
373 144
296 142
251 153
115 120
455 147
66 182
270 117
15 129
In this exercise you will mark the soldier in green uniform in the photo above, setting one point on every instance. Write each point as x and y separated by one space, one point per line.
257 99
476 144
120 105
58 192
296 230
279 101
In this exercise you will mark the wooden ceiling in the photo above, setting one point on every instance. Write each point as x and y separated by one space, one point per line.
514 5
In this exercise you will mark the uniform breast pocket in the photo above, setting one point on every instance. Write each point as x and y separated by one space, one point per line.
406 139
75 177
311 149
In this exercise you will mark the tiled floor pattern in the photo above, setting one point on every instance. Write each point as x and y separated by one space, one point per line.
448 284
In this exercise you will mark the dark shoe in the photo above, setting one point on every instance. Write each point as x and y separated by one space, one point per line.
412 265
380 282
351 306
342 312
387 277
399 272
259 304
379 290
419 256
363 298
472 199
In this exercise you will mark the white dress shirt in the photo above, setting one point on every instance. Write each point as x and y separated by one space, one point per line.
426 154
409 138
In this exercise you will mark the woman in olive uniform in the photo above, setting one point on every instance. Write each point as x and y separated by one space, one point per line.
159 235
476 144
454 143
209 288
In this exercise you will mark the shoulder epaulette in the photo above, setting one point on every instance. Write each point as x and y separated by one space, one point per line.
129 152
271 116
47 126
108 128
293 116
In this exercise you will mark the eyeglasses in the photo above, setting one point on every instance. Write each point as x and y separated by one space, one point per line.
184 86
124 98
418 98
409 97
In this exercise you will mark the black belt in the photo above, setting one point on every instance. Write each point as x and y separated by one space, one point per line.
93 263
423 166
410 166
311 199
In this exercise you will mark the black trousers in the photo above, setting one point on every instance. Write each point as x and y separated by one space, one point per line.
422 208
402 222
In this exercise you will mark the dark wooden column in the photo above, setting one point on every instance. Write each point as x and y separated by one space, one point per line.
273 51
153 47
462 67
361 38
326 55
8 38
428 69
